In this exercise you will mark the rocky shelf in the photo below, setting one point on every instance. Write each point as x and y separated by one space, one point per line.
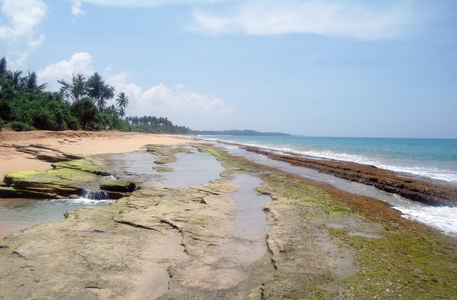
71 177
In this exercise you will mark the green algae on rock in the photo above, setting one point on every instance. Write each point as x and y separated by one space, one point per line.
66 179
118 186
86 164
165 154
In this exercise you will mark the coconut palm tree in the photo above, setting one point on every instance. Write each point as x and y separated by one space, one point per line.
65 89
78 88
122 100
14 79
122 112
30 84
3 67
98 90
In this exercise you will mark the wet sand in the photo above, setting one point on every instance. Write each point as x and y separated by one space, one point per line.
77 142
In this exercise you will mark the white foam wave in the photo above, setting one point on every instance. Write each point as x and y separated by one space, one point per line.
83 201
423 171
442 218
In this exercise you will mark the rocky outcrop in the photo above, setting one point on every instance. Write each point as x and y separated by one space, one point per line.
118 186
67 179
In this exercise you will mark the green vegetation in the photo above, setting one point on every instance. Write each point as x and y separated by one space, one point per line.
80 104
149 124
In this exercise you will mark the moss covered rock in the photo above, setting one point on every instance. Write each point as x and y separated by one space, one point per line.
118 186
67 178
87 164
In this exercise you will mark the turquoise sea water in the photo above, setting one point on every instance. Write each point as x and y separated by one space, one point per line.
432 158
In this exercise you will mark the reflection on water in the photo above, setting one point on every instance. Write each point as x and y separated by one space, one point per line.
251 224
19 214
132 166
190 169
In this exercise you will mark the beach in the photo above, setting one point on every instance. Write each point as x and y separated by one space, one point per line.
193 239
85 143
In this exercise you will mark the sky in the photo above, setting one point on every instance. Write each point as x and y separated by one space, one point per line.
347 68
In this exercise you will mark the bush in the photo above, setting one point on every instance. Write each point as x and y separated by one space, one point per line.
85 112
19 126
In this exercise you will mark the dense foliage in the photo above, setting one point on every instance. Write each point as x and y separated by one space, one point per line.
149 124
80 104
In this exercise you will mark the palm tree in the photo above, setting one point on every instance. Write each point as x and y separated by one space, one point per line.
98 90
3 67
122 101
78 88
15 79
65 89
121 112
30 83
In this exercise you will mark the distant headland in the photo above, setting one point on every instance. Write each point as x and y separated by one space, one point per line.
237 132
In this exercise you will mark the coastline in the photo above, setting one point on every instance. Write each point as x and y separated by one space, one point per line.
427 191
323 242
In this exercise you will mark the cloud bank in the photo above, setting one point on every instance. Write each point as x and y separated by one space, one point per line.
80 63
17 27
354 19
175 102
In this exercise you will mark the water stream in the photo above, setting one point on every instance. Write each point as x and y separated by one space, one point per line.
18 214
251 224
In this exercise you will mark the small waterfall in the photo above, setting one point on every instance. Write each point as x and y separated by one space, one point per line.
95 195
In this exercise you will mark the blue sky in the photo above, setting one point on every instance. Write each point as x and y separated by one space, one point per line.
320 68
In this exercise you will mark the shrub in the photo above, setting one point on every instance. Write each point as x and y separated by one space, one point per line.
19 126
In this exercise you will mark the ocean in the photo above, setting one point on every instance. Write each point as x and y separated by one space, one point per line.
431 159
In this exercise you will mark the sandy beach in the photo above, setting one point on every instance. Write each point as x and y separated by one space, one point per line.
78 142
198 242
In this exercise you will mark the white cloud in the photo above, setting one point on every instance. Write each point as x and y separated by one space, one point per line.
173 102
352 18
76 9
177 103
119 82
80 63
17 27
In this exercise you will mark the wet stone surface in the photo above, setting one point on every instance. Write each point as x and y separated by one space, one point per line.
206 241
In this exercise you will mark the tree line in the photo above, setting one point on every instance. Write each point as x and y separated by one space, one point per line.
81 104
150 124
